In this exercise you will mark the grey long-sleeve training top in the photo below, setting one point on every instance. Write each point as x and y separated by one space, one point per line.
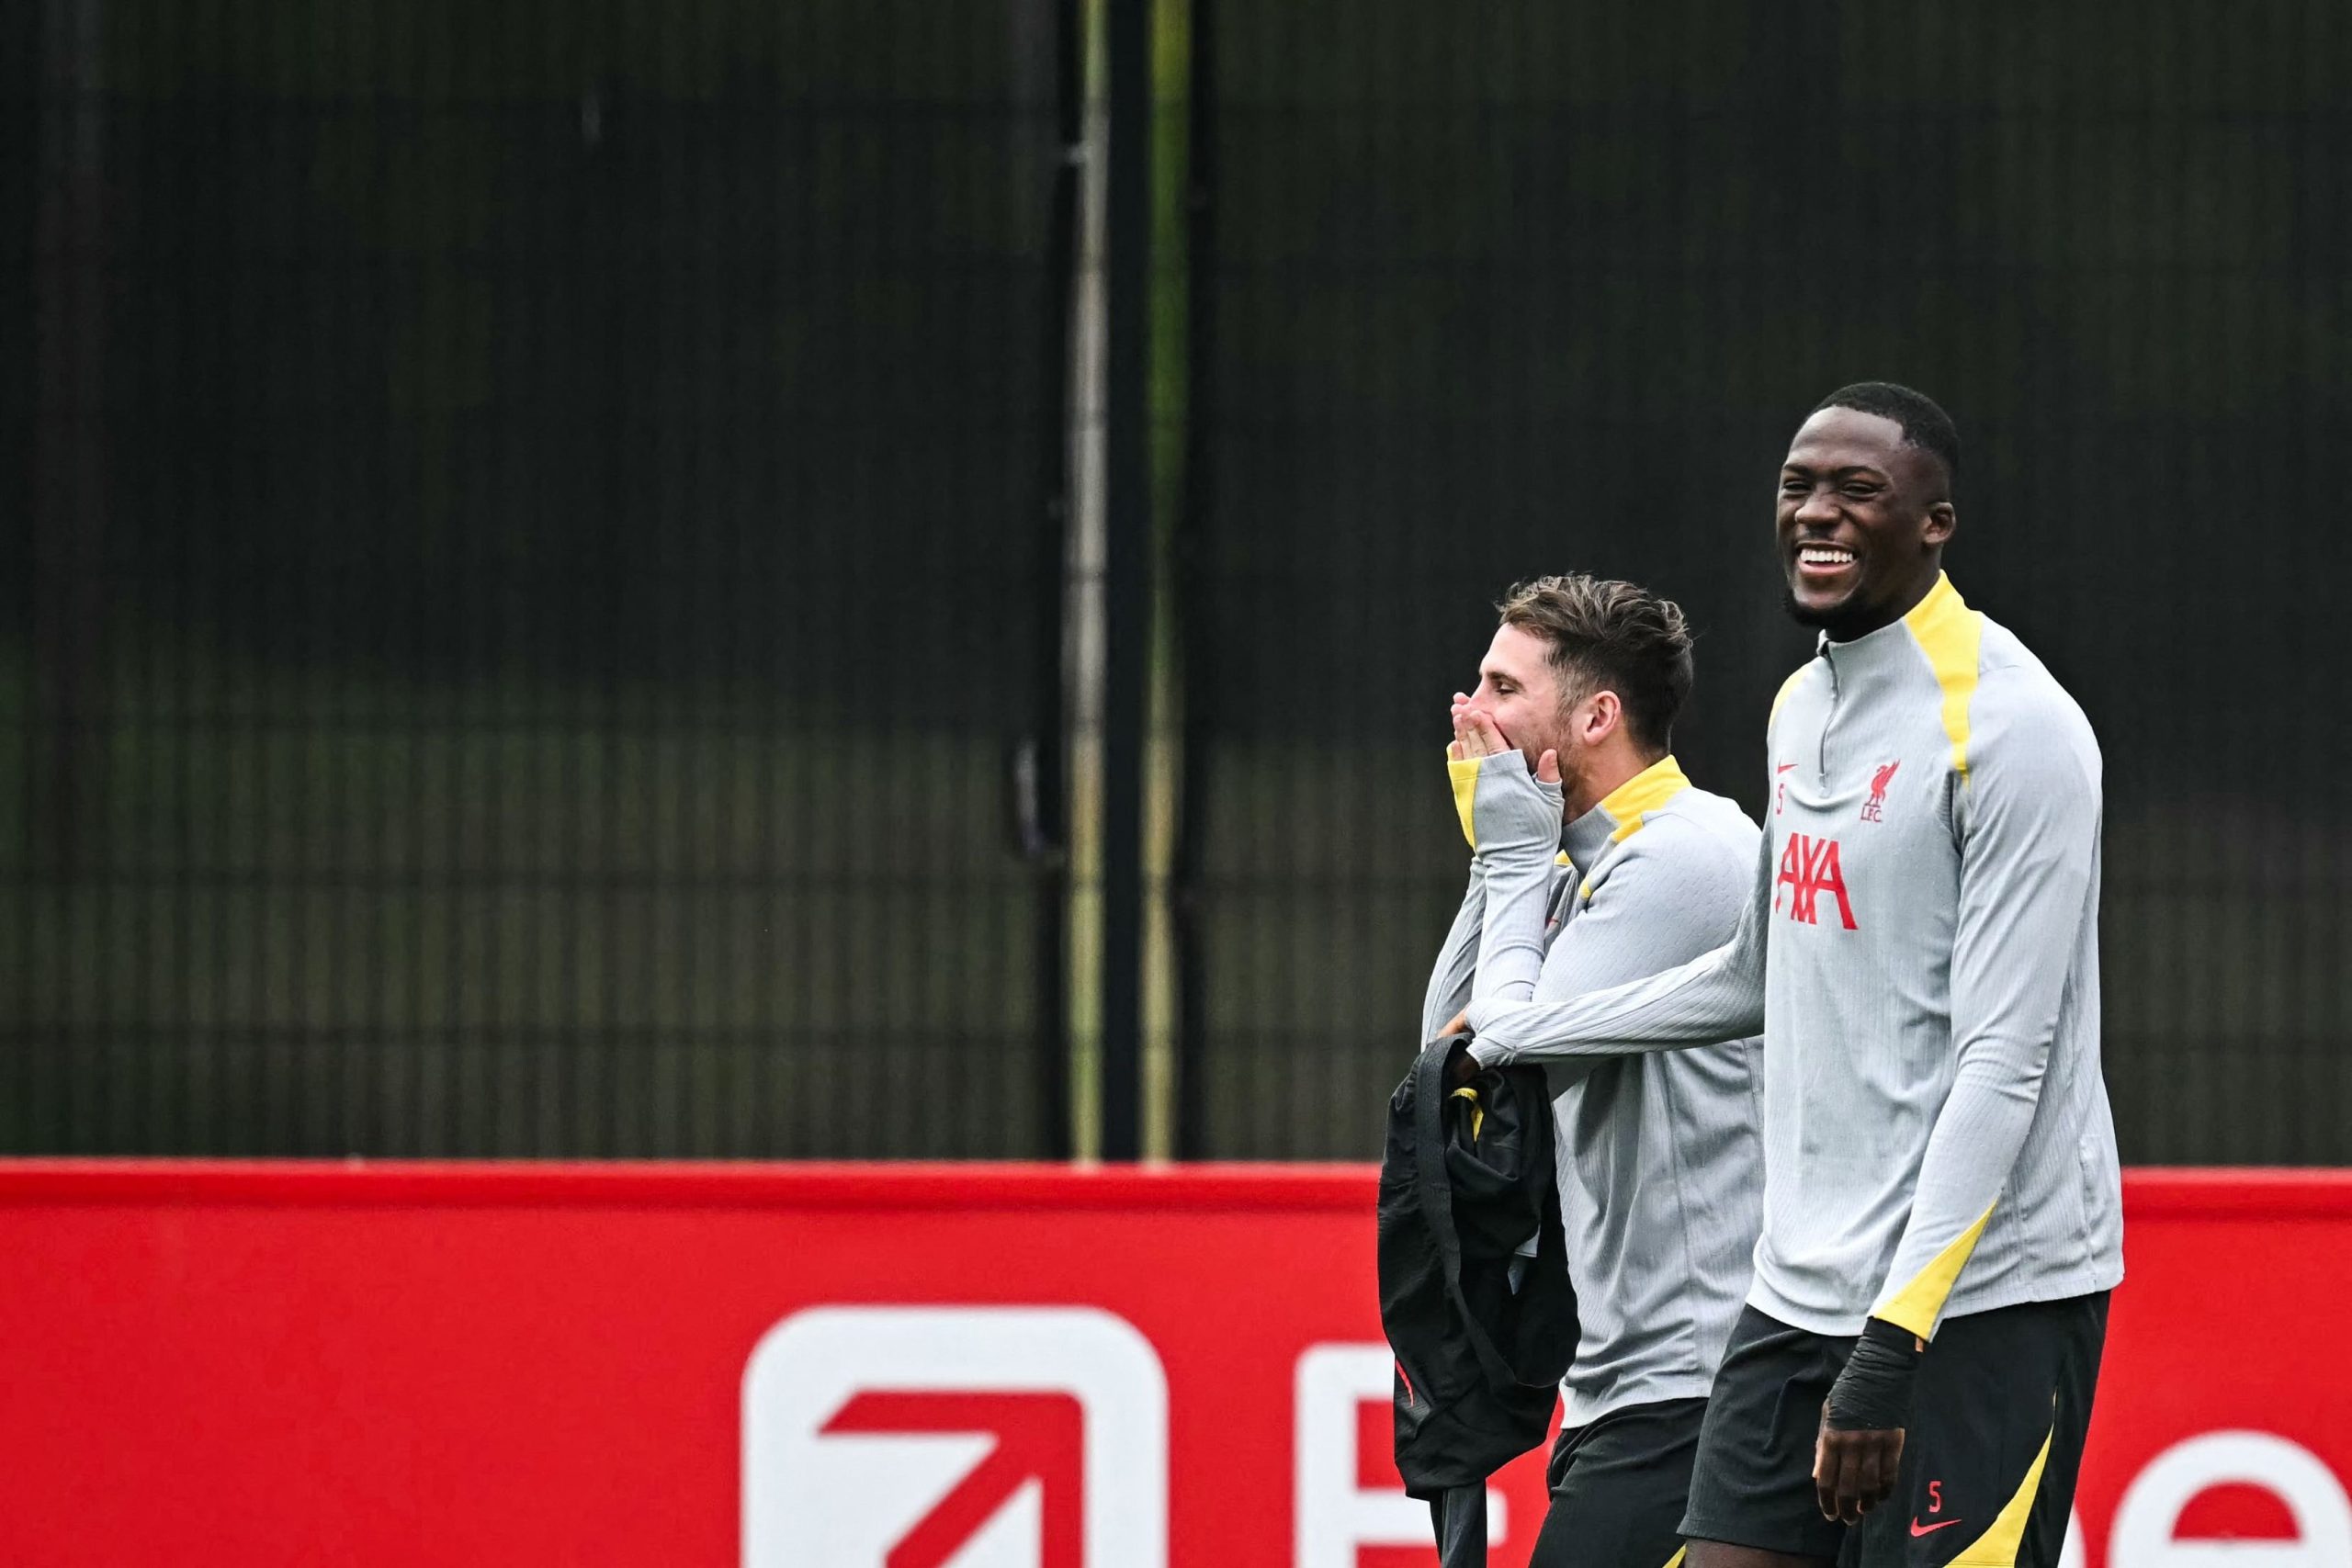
1920 947
1660 1156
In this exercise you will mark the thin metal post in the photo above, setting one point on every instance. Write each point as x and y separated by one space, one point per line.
1126 584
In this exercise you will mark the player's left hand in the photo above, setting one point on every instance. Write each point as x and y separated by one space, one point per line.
1854 1472
1859 1449
1477 733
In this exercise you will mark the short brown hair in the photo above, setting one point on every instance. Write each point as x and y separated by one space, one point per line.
1607 636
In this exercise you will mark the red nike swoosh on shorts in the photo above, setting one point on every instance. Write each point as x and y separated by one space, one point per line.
1919 1529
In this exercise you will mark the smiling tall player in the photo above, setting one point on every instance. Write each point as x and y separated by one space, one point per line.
1942 1209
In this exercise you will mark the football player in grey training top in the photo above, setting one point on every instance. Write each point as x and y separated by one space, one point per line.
1586 838
1942 1207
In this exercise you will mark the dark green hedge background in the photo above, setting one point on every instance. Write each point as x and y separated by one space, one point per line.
533 534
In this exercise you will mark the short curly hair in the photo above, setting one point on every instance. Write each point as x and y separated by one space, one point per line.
1610 635
1924 424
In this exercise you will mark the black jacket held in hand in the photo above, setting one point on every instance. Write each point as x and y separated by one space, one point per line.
1467 1177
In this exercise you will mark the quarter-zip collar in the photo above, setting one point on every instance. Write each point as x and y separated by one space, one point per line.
1618 815
1893 650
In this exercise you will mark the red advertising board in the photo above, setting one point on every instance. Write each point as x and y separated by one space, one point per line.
912 1366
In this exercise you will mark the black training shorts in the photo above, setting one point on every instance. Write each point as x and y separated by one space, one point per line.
1999 1411
1619 1483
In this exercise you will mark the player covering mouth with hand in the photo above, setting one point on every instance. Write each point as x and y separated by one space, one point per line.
1593 861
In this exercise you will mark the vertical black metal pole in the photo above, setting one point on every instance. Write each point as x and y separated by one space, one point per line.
1127 605
1190 556
1040 774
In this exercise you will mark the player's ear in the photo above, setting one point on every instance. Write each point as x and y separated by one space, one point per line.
1604 714
1942 520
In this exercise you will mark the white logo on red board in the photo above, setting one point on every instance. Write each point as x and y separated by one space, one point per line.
2146 1530
955 1437
1037 1437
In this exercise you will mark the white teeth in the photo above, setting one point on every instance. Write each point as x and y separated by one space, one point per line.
1820 554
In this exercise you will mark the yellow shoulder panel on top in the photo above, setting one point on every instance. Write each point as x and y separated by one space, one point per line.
1953 637
1997 1547
1783 694
1463 772
1645 790
1915 1305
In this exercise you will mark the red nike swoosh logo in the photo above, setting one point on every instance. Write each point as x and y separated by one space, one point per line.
1920 1529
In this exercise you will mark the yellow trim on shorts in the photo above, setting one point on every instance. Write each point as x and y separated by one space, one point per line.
1997 1547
